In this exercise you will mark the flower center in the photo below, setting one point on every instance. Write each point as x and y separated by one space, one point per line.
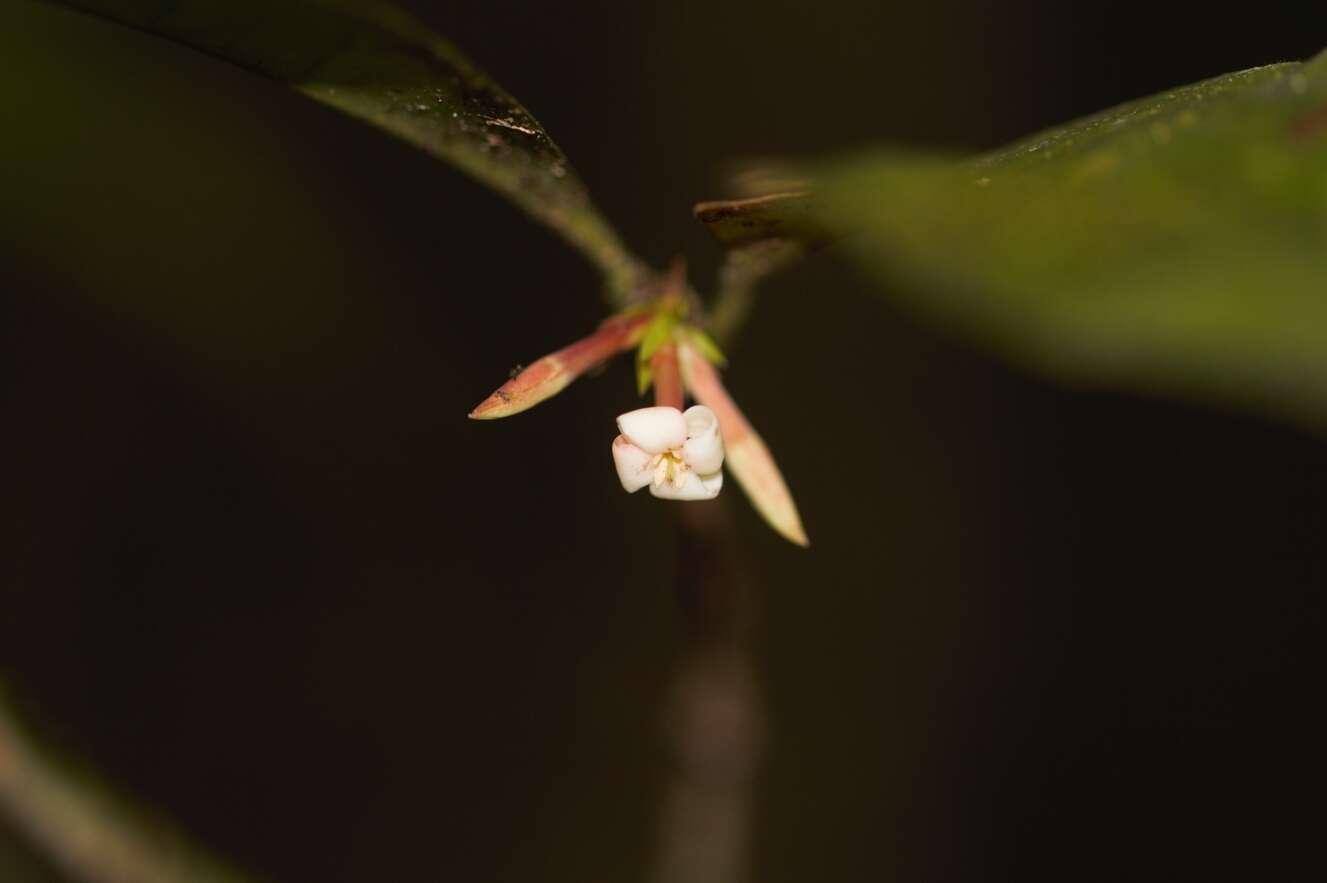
668 468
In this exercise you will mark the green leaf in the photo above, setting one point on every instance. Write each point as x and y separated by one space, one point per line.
1177 243
376 63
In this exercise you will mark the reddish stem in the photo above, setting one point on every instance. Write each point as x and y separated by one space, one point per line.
667 377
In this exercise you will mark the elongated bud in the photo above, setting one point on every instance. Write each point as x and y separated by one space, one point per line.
747 458
551 374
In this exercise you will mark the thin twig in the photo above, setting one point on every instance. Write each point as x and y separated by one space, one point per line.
741 270
87 834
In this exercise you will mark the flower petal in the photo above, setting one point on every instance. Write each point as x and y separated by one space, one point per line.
713 482
654 430
703 450
693 487
633 465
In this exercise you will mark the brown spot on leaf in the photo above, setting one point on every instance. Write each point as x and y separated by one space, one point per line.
1310 126
740 222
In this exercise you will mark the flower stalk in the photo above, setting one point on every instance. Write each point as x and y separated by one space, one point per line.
667 377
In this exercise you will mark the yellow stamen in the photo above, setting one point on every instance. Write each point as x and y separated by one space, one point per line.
668 468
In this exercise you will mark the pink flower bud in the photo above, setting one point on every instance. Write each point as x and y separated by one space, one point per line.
748 458
551 374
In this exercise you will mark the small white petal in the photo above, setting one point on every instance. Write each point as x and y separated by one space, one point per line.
700 419
713 482
703 450
693 487
633 464
654 430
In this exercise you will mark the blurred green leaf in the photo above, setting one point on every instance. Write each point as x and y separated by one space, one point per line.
376 63
1176 243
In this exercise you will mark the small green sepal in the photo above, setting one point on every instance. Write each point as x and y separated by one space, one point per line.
644 377
705 345
657 333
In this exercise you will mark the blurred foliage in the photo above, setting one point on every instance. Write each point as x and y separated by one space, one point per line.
1174 243
81 827
375 62
255 566
18 860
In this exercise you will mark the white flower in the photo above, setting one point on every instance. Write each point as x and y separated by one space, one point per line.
678 454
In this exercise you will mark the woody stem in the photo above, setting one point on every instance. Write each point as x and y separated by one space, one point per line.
667 377
715 714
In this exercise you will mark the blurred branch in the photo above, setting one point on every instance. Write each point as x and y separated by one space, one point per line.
87 834
741 270
760 234
714 720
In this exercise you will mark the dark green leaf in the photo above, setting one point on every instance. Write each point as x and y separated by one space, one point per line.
374 62
1175 243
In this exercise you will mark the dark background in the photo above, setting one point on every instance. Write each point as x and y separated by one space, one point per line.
259 570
